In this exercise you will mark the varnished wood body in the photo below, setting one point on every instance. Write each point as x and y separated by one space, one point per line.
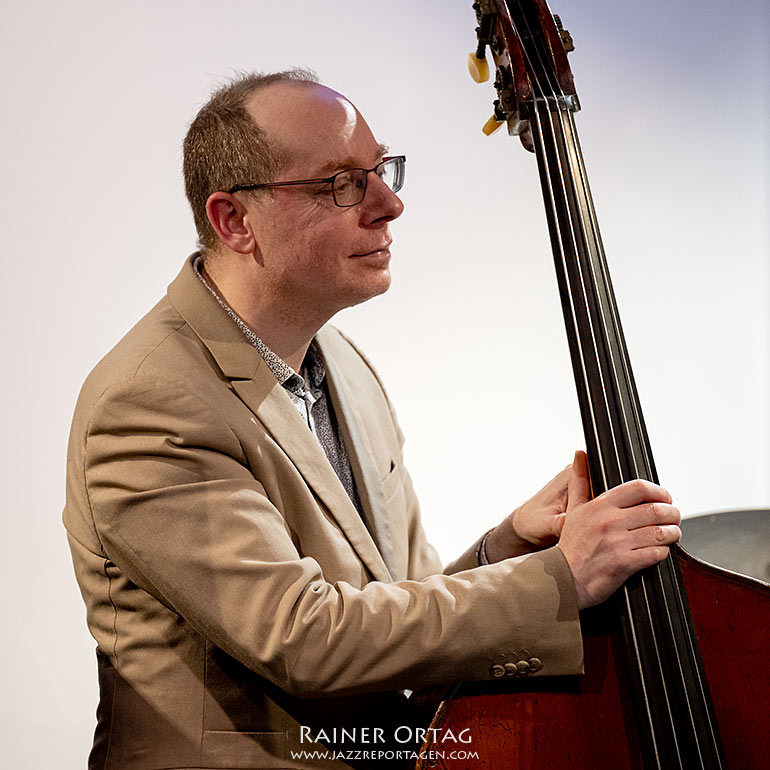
586 722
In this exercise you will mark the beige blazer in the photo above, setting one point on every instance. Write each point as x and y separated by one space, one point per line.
234 592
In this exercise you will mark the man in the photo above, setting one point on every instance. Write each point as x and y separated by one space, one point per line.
243 529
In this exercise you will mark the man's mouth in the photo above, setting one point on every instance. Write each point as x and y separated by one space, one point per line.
380 251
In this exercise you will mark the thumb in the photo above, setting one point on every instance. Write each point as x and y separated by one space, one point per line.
579 488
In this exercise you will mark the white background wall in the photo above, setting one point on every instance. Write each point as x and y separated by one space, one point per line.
96 100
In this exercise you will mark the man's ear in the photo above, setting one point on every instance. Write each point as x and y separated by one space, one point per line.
228 218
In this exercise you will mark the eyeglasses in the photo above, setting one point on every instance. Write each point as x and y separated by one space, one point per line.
349 186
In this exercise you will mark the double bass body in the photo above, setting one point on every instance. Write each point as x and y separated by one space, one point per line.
589 722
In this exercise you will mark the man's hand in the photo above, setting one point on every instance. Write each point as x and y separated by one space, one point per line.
533 525
609 538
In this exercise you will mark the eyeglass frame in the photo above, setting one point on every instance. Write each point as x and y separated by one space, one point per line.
328 180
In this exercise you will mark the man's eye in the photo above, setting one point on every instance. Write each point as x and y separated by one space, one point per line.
342 183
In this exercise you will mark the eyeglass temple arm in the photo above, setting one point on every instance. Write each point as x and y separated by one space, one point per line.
240 187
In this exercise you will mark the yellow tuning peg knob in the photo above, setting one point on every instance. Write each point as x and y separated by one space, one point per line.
492 125
478 68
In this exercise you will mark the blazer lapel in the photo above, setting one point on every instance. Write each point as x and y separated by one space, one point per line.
273 407
361 460
257 387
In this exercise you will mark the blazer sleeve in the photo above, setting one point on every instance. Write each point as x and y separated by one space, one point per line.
179 510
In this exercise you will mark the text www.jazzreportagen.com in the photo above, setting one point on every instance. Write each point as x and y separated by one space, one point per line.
381 754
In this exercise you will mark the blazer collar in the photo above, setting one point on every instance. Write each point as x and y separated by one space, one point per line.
257 387
234 354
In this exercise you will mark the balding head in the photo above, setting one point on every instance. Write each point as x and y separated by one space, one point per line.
225 146
299 118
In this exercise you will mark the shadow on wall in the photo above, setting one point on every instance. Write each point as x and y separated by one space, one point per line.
735 540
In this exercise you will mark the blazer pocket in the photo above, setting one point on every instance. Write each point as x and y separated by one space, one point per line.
392 482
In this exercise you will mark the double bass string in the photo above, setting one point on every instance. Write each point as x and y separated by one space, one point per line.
558 243
606 305
576 169
613 323
610 328
657 573
612 304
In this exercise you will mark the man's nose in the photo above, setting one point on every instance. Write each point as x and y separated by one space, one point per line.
380 203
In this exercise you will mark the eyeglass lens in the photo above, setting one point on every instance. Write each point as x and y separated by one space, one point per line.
350 186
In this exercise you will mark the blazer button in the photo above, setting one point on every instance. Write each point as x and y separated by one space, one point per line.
522 668
535 664
497 671
510 669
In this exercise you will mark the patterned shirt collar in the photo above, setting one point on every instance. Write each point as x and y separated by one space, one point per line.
313 365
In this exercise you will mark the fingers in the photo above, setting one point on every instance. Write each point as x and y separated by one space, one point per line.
579 488
643 558
649 514
652 537
635 492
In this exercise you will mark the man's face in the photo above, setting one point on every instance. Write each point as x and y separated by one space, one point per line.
314 254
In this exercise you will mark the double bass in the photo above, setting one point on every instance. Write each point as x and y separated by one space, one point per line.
677 663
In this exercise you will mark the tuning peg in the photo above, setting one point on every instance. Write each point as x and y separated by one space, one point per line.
492 125
566 38
478 67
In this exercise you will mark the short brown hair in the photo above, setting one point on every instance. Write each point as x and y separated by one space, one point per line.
225 147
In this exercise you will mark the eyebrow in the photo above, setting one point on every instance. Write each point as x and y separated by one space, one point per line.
340 165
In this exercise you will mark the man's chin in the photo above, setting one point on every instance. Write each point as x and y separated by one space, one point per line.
381 285
374 286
